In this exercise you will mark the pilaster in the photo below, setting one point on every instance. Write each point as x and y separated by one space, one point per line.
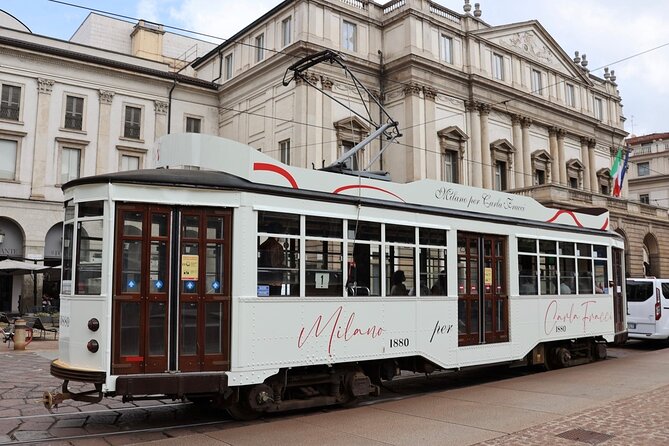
474 144
106 97
44 87
486 159
518 155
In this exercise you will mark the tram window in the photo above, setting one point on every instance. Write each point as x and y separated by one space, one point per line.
547 247
432 272
601 277
527 265
585 285
89 257
159 225
323 272
214 268
583 250
400 234
566 249
69 210
364 230
548 274
132 223
400 270
567 275
364 269
527 245
190 227
276 223
324 227
434 237
278 265
91 209
129 333
599 251
68 244
215 228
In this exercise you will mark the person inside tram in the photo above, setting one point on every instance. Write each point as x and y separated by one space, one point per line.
397 281
564 288
272 258
599 288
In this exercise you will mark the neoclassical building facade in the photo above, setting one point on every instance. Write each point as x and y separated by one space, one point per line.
500 107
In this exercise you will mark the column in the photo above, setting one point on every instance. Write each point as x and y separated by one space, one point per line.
412 140
313 153
486 159
298 142
104 121
518 162
594 186
432 151
562 162
44 87
474 161
552 142
161 108
525 125
585 158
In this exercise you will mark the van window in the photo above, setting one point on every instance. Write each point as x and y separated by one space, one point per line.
665 290
639 291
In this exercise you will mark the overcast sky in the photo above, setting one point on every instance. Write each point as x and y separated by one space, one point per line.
612 33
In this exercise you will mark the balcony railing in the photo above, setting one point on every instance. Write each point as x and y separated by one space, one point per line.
132 131
73 122
8 112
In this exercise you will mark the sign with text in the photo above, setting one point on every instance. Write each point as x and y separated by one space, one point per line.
189 267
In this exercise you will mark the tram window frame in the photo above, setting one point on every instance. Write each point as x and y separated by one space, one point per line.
363 258
323 256
433 280
574 268
278 274
89 246
68 248
399 259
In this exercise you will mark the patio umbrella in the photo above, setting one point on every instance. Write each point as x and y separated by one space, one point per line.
9 266
17 267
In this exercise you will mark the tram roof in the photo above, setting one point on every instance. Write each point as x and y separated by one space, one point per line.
242 168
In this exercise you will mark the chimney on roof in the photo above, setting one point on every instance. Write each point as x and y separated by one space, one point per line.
147 40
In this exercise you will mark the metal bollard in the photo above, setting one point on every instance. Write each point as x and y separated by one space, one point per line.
23 335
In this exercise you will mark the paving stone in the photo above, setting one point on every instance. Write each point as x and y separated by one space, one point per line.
31 435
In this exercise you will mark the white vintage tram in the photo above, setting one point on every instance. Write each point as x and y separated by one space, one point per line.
263 287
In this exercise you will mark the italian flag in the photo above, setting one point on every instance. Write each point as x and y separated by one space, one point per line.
618 171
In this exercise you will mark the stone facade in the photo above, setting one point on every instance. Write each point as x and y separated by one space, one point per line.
492 106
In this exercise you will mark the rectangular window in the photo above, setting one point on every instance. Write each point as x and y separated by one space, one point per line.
129 162
89 258
8 152
573 182
228 66
284 149
451 166
74 113
10 101
570 95
133 122
349 36
643 169
537 84
193 125
500 175
539 177
352 162
432 261
260 47
286 31
598 109
446 49
278 254
70 162
498 66
644 199
323 249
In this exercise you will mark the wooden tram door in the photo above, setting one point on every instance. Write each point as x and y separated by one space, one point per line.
171 303
482 289
204 290
619 309
141 289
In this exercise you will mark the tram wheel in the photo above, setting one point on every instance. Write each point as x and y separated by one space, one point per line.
242 410
558 358
599 351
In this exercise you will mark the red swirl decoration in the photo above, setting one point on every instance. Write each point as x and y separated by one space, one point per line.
276 169
365 186
570 213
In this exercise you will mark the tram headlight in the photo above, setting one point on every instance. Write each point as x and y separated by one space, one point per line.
93 346
93 324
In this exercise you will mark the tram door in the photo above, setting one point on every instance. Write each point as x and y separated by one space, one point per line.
141 289
618 287
482 289
171 289
204 290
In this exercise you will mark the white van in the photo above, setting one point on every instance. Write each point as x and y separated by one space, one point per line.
648 308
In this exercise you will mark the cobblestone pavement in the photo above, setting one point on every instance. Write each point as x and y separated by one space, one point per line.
638 420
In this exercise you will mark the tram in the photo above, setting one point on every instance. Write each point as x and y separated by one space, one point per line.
262 287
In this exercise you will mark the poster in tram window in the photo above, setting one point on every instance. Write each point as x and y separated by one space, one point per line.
189 267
